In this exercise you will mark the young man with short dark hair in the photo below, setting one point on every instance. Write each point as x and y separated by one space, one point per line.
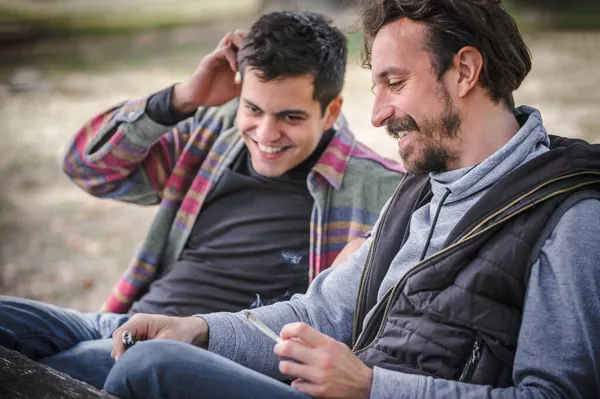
260 184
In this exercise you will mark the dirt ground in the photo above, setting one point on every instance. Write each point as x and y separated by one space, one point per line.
58 244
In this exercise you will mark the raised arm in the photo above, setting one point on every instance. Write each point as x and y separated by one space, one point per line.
129 151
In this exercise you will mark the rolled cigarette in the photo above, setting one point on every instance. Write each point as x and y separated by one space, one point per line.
261 326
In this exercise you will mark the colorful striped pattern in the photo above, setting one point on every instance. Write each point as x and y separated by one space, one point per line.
177 169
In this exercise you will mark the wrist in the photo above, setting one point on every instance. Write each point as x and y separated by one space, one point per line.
181 100
368 382
200 327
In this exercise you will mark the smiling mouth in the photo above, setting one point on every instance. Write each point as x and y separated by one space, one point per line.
398 135
271 149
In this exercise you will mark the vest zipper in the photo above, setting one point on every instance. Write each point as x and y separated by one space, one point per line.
363 277
531 192
361 287
473 233
391 292
471 363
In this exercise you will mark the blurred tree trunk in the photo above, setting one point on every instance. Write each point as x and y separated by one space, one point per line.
22 378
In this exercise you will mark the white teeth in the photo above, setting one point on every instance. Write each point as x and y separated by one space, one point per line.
269 150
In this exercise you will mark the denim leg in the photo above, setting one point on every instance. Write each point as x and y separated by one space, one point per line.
88 361
61 338
169 369
39 330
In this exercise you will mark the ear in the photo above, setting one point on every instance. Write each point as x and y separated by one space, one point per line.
332 112
468 62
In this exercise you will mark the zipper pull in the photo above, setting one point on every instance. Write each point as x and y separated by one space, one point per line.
476 350
471 362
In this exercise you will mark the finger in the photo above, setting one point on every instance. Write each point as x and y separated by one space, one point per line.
305 333
220 55
137 326
300 371
295 349
237 40
241 32
118 348
309 388
225 40
231 58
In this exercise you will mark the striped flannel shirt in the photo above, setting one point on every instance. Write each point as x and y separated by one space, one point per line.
123 154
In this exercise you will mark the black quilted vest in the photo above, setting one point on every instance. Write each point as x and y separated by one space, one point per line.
456 315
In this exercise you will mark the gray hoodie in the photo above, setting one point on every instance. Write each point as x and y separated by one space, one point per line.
557 347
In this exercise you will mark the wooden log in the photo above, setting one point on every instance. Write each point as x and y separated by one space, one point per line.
23 378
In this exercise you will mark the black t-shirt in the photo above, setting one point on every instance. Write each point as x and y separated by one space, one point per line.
249 246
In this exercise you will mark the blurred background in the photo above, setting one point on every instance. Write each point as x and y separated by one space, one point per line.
62 61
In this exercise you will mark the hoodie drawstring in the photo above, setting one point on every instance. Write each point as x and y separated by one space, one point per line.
435 219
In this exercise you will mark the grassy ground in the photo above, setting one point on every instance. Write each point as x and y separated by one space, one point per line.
62 246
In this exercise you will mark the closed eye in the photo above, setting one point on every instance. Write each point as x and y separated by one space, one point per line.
396 85
293 118
252 109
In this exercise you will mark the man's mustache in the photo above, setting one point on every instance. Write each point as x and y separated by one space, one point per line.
403 124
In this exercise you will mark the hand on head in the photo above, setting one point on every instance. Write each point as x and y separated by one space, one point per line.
213 83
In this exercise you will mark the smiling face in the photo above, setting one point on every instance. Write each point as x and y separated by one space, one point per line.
280 121
414 106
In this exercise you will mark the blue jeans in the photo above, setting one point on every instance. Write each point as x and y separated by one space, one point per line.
169 369
76 343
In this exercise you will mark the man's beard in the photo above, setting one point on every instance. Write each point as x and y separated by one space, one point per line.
435 156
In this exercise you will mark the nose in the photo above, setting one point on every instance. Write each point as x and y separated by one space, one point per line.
382 111
267 131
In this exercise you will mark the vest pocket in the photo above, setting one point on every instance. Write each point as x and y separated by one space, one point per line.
472 362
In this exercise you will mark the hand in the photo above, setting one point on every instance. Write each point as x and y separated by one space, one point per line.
192 330
213 82
327 368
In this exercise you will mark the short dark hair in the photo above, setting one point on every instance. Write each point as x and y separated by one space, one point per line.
454 24
286 44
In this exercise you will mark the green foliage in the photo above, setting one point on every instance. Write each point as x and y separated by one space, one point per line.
354 44
71 17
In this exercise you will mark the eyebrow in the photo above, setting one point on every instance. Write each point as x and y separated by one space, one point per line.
295 112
